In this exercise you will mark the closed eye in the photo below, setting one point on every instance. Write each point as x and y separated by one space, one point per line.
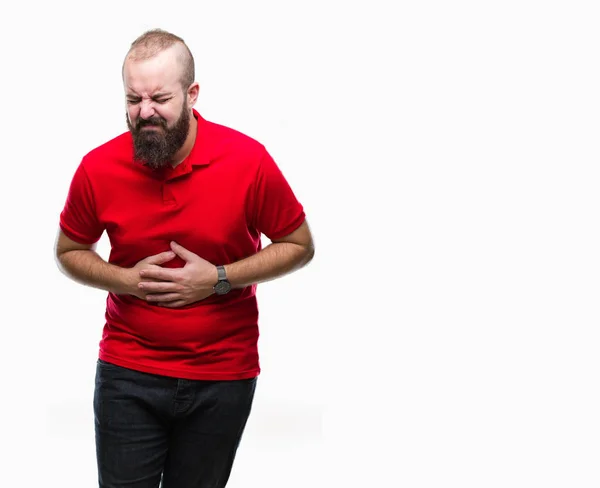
135 101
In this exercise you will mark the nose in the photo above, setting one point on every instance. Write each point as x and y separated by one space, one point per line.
146 109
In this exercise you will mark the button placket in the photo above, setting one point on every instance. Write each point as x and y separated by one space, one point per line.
167 193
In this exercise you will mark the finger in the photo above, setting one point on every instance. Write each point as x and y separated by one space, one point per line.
158 273
163 297
161 258
159 287
174 304
183 253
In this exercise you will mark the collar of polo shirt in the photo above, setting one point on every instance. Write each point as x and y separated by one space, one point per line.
199 155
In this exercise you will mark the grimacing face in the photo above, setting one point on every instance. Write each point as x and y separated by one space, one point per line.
158 108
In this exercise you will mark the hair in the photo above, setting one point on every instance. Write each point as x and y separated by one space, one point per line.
154 41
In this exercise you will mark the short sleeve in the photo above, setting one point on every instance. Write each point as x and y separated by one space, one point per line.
277 211
79 220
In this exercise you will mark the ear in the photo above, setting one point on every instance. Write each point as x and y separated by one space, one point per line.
192 93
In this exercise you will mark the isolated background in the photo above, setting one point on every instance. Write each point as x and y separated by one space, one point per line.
446 333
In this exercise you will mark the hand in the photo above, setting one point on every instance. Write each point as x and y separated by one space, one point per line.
151 262
181 286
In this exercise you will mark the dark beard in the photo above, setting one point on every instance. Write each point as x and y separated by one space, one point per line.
156 148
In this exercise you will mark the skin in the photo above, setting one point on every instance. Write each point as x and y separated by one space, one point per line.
152 88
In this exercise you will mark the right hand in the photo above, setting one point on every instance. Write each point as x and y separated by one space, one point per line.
150 262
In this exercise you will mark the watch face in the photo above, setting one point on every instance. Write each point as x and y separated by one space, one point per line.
222 287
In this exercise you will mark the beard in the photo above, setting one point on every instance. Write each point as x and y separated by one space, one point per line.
156 147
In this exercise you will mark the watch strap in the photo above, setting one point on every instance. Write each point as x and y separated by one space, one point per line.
221 273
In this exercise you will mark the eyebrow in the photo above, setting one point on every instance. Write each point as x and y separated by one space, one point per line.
157 95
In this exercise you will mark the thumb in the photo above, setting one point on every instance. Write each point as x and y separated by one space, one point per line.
182 252
161 258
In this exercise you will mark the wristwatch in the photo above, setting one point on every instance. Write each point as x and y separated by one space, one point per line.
223 286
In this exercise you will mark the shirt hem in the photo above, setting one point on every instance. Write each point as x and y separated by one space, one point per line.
182 373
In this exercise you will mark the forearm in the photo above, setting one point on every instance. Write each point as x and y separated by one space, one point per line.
274 261
88 268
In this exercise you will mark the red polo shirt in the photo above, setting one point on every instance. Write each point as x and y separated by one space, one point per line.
216 203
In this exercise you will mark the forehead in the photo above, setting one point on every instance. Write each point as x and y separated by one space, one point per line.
158 73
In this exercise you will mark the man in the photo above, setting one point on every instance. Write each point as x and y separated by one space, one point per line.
184 202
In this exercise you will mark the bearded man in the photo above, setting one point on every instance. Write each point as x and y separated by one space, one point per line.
184 203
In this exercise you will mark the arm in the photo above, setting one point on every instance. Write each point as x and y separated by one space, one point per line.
272 206
195 281
83 264
279 258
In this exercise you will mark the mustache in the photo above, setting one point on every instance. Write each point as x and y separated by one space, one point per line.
154 121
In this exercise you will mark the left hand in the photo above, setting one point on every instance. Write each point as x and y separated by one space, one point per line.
180 286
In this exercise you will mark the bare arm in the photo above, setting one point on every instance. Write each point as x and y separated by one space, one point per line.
83 264
195 281
279 258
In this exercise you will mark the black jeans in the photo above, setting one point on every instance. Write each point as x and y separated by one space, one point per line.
150 427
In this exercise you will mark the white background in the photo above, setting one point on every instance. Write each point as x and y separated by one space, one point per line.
446 153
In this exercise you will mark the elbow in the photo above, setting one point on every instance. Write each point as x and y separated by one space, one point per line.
309 254
57 255
58 259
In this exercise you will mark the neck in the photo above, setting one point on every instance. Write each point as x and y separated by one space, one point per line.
186 149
